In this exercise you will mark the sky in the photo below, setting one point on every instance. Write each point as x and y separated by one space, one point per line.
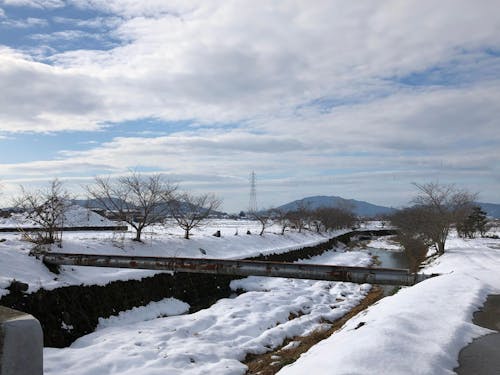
353 99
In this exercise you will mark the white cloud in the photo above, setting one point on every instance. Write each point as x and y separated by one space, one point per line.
47 4
64 35
311 90
372 151
23 23
228 61
97 22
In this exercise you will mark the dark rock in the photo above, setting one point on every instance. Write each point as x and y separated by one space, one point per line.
18 287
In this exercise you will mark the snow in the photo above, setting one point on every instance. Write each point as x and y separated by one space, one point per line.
291 345
18 264
214 340
419 330
153 310
385 243
75 216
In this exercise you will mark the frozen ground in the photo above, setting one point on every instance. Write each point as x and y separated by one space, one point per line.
419 330
214 340
16 263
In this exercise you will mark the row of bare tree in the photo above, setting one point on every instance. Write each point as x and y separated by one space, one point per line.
302 217
137 200
154 198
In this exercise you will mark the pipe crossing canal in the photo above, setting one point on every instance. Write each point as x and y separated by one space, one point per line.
360 275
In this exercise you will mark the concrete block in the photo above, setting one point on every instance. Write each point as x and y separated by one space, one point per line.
21 343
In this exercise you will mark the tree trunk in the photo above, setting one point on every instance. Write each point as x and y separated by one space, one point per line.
138 235
440 246
186 234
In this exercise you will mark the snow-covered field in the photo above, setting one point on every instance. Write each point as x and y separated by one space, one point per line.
16 263
419 330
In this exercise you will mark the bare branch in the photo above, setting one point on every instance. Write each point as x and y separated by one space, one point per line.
47 208
138 200
190 210
437 208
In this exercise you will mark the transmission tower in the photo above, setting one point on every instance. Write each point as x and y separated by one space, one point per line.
252 204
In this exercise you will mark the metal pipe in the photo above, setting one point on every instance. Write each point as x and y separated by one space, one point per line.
360 275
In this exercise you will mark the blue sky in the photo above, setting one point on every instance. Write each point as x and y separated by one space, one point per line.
330 99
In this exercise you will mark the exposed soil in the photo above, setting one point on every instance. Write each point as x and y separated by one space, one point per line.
270 363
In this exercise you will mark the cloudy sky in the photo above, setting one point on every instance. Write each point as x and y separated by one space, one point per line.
356 99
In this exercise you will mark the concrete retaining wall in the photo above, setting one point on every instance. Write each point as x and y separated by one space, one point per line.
21 343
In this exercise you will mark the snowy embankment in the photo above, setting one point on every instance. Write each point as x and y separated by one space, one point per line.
75 216
214 340
18 264
419 330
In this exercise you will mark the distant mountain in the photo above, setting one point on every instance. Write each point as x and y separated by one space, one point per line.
360 208
95 204
492 209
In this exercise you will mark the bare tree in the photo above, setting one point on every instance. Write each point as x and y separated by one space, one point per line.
280 216
335 217
47 208
138 200
437 208
264 218
416 228
300 216
190 210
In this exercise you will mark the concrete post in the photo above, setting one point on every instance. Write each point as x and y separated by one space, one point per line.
21 343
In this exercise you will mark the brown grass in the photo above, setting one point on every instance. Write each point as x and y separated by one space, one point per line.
263 364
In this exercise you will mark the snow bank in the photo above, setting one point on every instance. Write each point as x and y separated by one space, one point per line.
153 310
78 216
75 216
419 330
214 340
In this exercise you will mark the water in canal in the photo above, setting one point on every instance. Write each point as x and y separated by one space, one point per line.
385 258
389 258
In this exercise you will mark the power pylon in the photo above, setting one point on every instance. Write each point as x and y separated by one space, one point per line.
252 204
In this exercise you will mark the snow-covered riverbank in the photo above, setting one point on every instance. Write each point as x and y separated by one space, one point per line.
214 340
419 330
19 265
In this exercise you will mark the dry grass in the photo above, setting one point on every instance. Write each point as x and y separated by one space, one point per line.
270 363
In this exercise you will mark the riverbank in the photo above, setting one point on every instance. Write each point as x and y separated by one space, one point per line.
260 316
69 304
20 264
421 329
